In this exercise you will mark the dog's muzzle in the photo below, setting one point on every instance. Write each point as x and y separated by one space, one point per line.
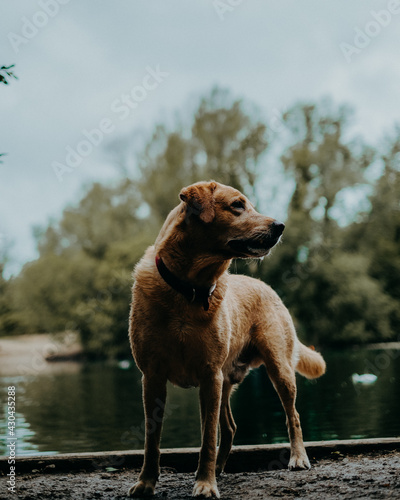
259 245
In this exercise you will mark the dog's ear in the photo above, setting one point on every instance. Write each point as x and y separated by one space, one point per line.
200 200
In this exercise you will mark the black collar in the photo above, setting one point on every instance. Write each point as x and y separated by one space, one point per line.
192 293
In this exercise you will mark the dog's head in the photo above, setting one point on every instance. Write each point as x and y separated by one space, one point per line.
223 220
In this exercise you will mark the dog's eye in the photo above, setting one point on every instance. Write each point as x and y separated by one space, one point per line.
238 205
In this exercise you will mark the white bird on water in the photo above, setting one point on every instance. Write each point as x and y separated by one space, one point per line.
365 378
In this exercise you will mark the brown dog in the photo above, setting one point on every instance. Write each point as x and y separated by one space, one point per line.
196 325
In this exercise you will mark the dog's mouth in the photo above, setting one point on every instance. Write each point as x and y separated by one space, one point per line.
253 247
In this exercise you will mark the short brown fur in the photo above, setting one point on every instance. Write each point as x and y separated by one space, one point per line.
246 325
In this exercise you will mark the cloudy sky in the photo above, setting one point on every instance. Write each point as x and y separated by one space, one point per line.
77 62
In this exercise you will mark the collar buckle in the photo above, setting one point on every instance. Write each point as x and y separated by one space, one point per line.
186 289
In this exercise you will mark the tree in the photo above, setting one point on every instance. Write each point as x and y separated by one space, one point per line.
8 320
378 234
228 140
327 288
340 283
224 142
82 278
383 232
103 216
322 163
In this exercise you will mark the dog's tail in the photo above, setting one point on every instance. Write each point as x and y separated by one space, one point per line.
310 364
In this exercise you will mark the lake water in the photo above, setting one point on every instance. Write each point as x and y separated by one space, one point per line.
97 407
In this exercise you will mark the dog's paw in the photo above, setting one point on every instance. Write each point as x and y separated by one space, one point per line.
299 462
141 489
205 489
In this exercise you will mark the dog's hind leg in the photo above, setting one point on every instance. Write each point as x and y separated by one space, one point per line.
283 377
154 396
227 428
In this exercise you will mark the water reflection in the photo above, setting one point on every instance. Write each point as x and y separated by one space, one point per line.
99 407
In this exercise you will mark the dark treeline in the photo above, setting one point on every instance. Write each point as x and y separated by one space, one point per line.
341 282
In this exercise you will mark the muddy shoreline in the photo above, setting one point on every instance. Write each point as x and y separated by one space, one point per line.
340 469
43 353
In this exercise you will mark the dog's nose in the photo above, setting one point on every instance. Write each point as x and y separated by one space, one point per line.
277 228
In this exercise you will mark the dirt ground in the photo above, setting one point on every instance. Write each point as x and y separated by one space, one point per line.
374 476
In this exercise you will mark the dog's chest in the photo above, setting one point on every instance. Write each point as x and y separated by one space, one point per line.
183 341
190 352
183 366
183 329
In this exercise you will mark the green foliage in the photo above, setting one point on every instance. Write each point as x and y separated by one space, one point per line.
49 289
327 284
8 320
102 318
224 144
82 278
321 161
378 235
103 216
340 283
337 301
6 74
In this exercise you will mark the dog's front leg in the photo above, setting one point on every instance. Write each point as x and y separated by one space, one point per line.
154 396
210 401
